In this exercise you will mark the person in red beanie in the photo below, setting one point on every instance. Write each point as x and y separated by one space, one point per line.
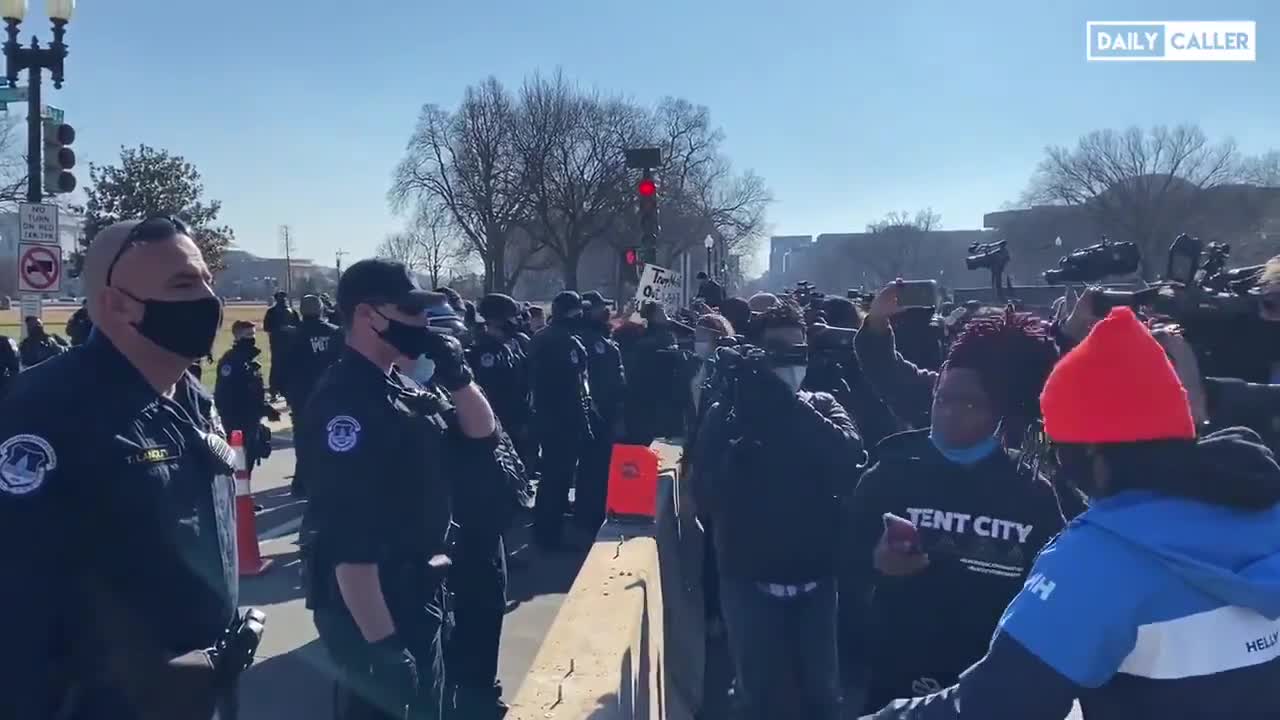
1162 600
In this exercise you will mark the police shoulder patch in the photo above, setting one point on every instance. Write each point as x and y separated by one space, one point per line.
486 360
599 347
573 356
344 433
225 371
25 461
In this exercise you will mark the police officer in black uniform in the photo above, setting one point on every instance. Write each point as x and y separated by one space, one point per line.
79 325
562 417
372 446
116 496
39 345
9 362
279 323
608 390
239 393
501 367
310 350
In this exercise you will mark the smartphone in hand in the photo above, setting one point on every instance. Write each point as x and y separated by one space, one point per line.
902 534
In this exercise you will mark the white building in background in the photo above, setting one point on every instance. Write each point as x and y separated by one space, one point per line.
70 227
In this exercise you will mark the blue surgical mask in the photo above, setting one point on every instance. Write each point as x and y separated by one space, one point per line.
423 370
971 455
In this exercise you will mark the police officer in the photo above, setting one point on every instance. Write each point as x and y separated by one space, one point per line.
239 394
501 367
312 348
372 446
116 495
562 417
79 325
278 323
10 364
608 388
39 345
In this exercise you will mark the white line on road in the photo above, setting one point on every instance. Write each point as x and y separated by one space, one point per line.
286 528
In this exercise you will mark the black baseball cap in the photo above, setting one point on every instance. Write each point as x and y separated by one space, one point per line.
595 299
378 281
497 307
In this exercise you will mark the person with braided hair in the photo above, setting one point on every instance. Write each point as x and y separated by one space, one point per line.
924 590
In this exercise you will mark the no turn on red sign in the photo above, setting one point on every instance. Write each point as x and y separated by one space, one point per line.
39 268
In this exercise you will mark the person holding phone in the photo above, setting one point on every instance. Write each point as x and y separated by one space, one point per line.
1163 599
943 528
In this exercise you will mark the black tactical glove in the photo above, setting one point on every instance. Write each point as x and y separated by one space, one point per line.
395 670
452 370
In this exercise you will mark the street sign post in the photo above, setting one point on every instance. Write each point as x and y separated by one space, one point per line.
39 268
38 224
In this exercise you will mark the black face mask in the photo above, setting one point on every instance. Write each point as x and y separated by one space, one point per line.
186 328
408 340
247 342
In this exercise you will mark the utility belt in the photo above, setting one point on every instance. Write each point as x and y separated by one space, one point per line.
187 687
417 576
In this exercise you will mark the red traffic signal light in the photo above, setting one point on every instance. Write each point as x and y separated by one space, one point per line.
631 257
647 188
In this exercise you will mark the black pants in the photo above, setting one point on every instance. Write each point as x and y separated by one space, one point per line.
358 695
478 580
593 482
561 452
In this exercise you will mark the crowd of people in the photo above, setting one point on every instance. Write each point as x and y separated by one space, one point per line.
1040 507
1004 512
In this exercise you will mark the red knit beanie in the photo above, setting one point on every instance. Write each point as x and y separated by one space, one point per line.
1117 386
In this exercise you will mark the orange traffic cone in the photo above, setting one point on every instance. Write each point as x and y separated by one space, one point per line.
633 482
251 562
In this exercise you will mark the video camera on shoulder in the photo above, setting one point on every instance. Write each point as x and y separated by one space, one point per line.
1096 262
988 256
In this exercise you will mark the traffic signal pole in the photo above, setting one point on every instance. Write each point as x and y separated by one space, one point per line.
35 167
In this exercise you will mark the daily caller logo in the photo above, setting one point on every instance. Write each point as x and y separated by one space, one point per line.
1163 41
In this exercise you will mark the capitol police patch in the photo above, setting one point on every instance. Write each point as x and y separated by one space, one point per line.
25 460
573 356
225 371
344 432
486 360
599 347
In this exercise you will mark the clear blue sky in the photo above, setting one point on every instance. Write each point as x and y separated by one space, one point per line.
296 112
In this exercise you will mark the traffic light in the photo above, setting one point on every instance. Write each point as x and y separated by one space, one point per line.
631 264
647 193
59 158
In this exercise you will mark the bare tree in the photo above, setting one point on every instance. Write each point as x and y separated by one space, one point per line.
13 164
467 161
1263 170
701 195
571 148
897 243
1143 186
405 246
442 253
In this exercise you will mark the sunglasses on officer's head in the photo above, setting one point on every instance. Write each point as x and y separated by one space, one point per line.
160 227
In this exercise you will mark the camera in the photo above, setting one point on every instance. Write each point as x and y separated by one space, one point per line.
988 256
834 344
1095 262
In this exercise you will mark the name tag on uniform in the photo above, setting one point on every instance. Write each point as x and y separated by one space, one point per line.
153 455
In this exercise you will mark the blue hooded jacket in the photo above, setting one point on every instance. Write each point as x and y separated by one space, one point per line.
1148 605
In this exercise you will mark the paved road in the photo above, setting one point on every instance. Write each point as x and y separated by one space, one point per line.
291 678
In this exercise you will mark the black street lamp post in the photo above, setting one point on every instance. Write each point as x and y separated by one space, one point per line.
35 60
